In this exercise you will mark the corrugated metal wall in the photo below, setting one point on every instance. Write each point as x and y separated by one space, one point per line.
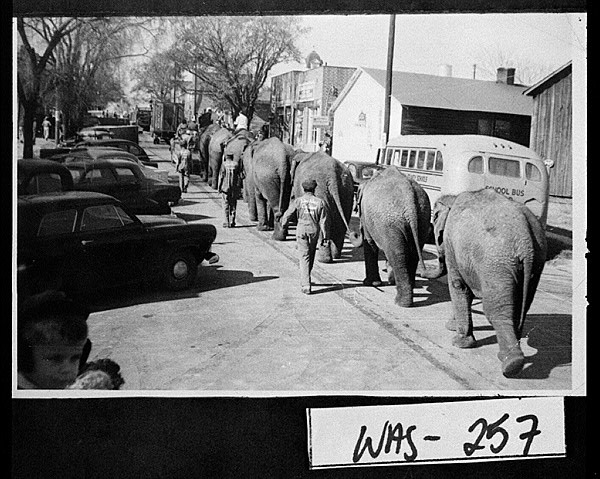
551 134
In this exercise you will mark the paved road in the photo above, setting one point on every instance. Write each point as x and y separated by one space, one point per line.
245 327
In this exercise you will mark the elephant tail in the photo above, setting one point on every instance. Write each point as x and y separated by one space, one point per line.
527 270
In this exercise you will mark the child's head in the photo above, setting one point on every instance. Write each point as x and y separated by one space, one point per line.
52 333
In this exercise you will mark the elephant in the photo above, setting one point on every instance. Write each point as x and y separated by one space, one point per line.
268 183
204 135
334 186
494 249
395 215
211 150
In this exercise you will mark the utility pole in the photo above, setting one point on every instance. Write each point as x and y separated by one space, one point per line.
388 79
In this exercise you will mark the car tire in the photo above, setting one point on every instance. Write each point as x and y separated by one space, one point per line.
181 269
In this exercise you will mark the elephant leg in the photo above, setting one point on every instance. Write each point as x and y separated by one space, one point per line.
403 272
337 245
262 213
371 258
462 297
390 273
503 316
251 202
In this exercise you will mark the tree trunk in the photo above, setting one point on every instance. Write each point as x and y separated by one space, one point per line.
29 109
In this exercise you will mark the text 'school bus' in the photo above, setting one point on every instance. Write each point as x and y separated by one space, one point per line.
451 164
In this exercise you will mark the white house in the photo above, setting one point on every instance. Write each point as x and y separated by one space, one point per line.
426 104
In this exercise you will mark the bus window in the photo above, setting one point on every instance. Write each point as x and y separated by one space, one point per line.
388 157
396 157
532 172
475 164
421 159
430 159
412 158
504 167
404 160
439 161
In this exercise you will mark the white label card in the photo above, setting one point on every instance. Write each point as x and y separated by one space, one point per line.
463 431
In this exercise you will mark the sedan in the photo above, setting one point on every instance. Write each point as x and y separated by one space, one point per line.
95 153
78 242
125 145
362 171
125 181
35 176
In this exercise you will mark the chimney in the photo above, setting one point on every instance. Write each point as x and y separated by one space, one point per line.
445 70
505 75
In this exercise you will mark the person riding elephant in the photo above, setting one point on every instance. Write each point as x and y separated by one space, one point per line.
335 187
494 249
395 215
268 183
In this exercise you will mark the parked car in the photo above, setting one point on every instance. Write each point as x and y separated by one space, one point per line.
125 145
125 181
36 176
362 171
109 153
78 242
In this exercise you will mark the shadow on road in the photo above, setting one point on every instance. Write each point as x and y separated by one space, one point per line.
209 278
189 217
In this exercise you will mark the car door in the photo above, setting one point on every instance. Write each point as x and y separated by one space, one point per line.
111 246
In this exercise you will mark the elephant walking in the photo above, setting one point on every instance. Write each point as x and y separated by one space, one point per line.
395 215
334 186
204 136
268 183
211 150
493 249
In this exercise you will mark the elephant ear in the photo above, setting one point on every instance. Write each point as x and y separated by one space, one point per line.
441 209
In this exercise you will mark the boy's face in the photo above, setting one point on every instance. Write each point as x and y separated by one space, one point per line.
56 365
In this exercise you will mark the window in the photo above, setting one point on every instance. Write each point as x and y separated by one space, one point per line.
421 159
352 169
99 176
367 172
125 218
101 217
411 158
125 175
475 165
504 167
532 172
404 160
439 161
44 183
430 159
396 157
61 222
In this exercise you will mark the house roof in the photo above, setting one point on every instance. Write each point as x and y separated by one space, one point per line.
549 80
432 91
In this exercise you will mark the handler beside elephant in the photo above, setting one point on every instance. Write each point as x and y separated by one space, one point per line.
312 221
395 216
493 249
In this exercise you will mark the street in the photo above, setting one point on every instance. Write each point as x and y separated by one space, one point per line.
246 328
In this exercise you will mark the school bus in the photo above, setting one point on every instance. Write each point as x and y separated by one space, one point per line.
451 164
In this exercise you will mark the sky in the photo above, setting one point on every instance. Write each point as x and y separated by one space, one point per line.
424 42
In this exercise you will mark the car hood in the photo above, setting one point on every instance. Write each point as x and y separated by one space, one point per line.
160 220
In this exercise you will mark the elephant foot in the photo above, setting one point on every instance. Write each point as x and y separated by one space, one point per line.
325 260
463 342
513 362
451 324
403 301
264 228
372 282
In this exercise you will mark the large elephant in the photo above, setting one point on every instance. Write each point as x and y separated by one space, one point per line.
204 136
334 186
216 136
268 183
494 249
395 215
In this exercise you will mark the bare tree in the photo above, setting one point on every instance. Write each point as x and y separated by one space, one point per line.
158 76
526 72
232 56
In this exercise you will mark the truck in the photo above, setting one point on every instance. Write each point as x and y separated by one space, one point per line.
166 117
141 117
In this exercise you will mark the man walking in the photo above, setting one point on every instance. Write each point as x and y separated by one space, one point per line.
229 187
312 219
183 163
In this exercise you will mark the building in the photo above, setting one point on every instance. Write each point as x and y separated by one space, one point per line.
428 105
552 126
300 101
